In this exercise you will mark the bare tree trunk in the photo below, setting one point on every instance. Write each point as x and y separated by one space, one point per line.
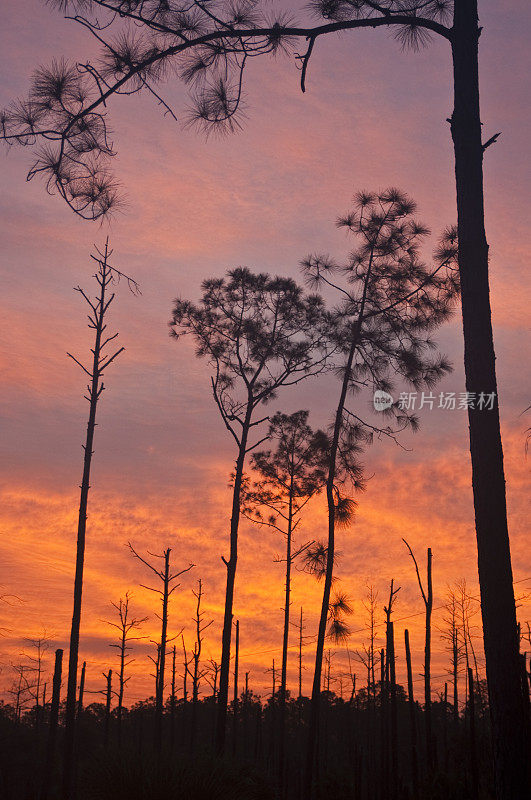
108 698
390 674
159 700
52 728
68 767
168 587
121 685
258 734
285 640
474 774
273 727
157 665
185 693
412 720
427 597
172 706
510 738
427 665
445 727
99 363
81 689
525 686
195 699
223 692
246 717
384 739
196 660
455 656
235 703
394 711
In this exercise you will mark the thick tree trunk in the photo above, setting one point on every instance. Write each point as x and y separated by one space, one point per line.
511 755
223 692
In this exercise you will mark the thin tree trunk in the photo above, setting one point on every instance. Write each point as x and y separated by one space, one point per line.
159 700
246 717
223 692
37 708
235 704
172 707
81 689
195 698
197 661
474 774
285 640
273 726
525 685
52 728
185 694
353 692
427 665
445 728
455 656
258 734
73 654
412 720
384 739
510 742
300 670
108 698
325 605
394 712
121 686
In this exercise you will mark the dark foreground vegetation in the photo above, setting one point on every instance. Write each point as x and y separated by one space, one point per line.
367 749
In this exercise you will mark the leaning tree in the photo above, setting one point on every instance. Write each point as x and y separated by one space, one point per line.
389 302
207 44
259 334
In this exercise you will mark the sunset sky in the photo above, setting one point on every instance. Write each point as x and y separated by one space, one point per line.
372 116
